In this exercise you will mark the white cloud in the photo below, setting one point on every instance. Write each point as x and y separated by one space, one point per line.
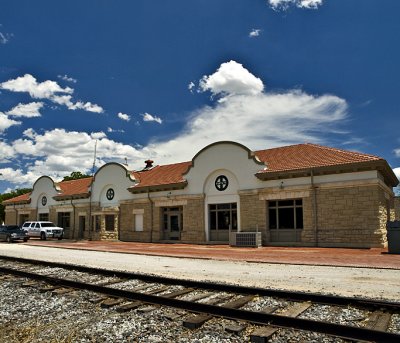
110 129
150 117
6 152
41 90
6 122
66 101
254 33
26 110
397 172
48 90
5 37
231 79
260 120
88 106
58 152
30 133
124 116
67 78
191 85
285 4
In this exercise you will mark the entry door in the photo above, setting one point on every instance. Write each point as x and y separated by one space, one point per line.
82 223
223 220
172 224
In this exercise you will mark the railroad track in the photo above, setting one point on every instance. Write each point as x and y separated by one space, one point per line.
194 303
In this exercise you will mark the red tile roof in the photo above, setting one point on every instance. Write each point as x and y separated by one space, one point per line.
67 189
169 174
305 156
74 187
24 198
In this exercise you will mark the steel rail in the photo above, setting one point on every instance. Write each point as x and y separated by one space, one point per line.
260 318
289 295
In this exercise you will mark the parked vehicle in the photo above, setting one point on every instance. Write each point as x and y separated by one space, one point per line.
43 230
10 233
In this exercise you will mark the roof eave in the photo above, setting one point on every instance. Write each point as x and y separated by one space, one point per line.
20 202
158 188
380 165
72 196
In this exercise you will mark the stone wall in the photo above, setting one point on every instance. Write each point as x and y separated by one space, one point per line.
351 216
396 205
253 214
193 222
127 222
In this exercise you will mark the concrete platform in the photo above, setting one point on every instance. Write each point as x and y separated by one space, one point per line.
361 258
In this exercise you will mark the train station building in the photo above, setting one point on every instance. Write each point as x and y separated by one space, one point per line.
298 195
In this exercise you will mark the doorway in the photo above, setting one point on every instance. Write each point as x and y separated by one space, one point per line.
82 224
172 223
223 220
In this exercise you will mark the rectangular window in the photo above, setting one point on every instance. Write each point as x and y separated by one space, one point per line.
96 224
138 222
285 214
64 220
109 222
23 218
43 217
223 216
82 223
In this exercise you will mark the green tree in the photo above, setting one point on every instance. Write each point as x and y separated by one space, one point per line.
10 195
75 176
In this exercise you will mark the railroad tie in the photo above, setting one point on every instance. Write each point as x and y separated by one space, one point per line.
200 296
263 334
99 299
237 328
178 293
111 282
194 322
129 306
30 284
378 320
48 289
135 304
110 302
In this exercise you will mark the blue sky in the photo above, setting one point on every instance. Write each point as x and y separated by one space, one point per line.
161 79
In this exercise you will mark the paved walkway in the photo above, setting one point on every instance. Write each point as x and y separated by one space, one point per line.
364 258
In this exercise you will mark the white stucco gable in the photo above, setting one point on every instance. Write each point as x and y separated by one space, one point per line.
231 159
111 183
44 187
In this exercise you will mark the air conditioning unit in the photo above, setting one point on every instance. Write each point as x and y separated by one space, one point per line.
245 239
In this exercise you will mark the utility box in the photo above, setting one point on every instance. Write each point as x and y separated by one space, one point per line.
245 239
393 236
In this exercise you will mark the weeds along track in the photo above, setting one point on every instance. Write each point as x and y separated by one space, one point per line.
253 314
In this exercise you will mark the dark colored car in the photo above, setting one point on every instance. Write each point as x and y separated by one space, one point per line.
10 233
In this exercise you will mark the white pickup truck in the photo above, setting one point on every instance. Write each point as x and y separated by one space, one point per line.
43 230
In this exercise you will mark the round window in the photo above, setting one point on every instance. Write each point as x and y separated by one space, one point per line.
44 201
221 183
110 194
